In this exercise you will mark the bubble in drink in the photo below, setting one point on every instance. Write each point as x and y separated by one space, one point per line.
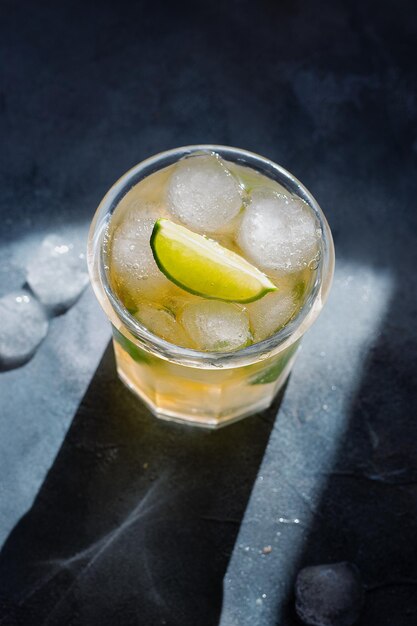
162 322
57 274
278 232
216 326
23 325
203 194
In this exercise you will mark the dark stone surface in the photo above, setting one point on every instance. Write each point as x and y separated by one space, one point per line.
90 536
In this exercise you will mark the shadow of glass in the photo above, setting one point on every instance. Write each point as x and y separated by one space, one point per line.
136 520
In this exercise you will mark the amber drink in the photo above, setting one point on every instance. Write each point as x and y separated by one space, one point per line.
211 263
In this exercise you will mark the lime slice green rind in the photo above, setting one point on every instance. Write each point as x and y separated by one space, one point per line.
203 267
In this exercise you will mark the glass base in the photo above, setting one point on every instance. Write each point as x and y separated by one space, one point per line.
250 400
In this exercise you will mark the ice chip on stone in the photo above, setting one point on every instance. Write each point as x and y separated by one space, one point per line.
216 326
57 274
278 232
23 325
329 595
133 266
203 194
162 322
271 312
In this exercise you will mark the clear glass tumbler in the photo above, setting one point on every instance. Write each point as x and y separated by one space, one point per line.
207 389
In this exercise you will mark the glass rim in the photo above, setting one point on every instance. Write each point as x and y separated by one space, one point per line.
186 356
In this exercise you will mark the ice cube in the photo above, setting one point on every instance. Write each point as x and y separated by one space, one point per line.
271 312
329 595
57 274
250 179
23 325
132 264
216 326
162 322
203 194
176 299
278 231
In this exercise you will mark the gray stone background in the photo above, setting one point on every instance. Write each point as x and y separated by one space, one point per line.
110 517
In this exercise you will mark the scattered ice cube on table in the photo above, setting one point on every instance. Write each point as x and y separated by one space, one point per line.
329 595
23 325
162 323
271 312
203 194
57 274
133 266
216 326
278 232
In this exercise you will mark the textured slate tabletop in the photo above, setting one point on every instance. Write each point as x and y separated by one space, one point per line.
108 516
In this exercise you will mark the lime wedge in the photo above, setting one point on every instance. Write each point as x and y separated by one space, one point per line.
203 267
